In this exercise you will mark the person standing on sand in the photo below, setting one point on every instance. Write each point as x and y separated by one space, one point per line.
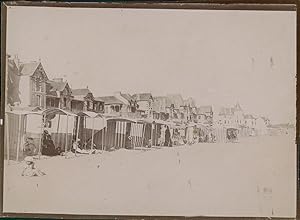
168 141
162 135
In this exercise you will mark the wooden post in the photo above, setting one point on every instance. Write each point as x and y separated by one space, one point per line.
57 130
92 144
140 134
77 133
115 135
152 134
155 139
136 134
67 130
58 124
123 129
102 136
84 127
143 134
118 133
105 141
19 134
7 136
41 136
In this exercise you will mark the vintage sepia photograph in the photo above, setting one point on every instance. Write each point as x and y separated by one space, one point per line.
150 112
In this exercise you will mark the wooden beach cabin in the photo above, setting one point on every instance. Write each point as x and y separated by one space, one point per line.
19 125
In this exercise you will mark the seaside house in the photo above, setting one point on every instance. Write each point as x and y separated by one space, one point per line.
250 123
262 124
83 100
174 103
58 94
112 105
129 109
145 104
32 84
160 107
205 114
189 110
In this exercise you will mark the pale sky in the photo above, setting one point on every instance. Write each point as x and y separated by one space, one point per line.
216 57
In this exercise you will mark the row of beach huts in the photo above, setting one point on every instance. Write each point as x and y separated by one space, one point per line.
106 133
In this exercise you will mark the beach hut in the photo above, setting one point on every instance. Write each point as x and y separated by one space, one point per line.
152 131
226 134
219 132
123 133
20 125
147 132
90 128
206 133
61 125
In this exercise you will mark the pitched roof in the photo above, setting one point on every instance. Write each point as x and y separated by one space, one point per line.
159 103
226 111
248 116
57 86
142 96
27 69
237 107
189 102
110 100
265 118
81 92
204 109
127 96
175 99
99 99
160 98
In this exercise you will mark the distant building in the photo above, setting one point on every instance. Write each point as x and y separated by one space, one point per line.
112 105
174 103
83 100
250 121
131 104
231 116
261 126
32 84
189 110
205 114
160 108
266 121
58 94
145 104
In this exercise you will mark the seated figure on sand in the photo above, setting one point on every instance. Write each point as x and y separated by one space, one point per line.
48 147
77 148
30 169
